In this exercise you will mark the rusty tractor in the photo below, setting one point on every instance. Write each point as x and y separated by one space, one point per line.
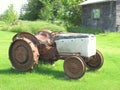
78 51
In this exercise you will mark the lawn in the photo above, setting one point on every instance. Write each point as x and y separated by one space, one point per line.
46 77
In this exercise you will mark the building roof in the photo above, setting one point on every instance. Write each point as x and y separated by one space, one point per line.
95 1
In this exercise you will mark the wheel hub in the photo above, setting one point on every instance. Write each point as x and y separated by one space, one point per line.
21 54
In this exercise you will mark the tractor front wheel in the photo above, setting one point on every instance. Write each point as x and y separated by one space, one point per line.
96 61
74 67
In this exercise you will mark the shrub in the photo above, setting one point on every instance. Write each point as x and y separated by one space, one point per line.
32 26
9 16
81 29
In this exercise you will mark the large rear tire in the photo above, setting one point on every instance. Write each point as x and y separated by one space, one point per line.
23 54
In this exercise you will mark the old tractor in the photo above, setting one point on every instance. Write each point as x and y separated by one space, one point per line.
78 51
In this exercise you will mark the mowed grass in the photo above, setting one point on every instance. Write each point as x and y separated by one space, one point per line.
47 77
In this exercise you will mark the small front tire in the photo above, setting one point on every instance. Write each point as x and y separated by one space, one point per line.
74 67
95 62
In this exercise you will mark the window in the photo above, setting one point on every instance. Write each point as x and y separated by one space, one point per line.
96 13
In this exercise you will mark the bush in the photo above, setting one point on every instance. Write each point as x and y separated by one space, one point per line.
9 16
2 24
32 27
81 29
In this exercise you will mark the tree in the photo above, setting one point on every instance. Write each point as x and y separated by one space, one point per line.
39 9
49 11
30 11
67 10
10 15
46 12
70 12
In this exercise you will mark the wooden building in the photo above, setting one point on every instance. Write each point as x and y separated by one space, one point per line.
103 14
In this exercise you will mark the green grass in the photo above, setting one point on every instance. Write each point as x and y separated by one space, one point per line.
31 26
46 77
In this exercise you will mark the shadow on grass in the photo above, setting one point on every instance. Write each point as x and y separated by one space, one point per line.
10 71
50 71
41 70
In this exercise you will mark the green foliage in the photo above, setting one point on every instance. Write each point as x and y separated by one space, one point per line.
46 12
46 77
39 9
70 12
50 10
67 10
2 24
32 26
31 10
81 29
9 16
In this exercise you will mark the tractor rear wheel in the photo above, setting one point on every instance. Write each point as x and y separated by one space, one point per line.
74 67
26 35
96 61
23 54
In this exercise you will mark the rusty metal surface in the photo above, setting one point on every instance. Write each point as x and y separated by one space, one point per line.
47 48
44 32
96 61
74 67
44 36
23 54
48 53
26 35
